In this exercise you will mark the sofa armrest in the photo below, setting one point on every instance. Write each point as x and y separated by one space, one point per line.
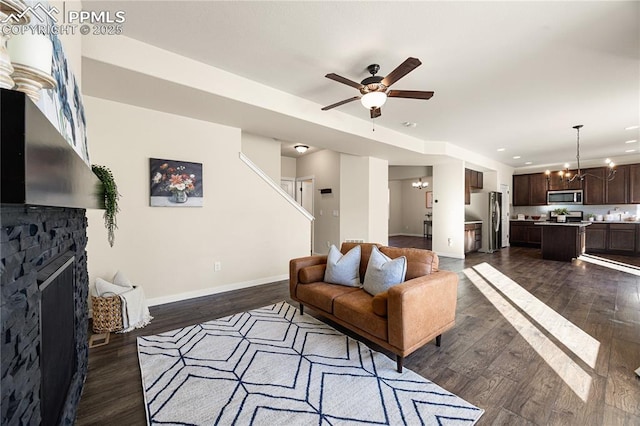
420 307
295 265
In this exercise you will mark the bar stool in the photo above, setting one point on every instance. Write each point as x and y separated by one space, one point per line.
427 229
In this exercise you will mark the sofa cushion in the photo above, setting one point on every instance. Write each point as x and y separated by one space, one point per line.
356 309
321 295
379 303
419 262
365 252
383 272
343 269
311 274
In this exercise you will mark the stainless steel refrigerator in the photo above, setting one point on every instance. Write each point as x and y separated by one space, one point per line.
495 220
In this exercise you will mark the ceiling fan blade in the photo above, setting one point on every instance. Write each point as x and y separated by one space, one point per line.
375 112
343 80
403 69
411 94
337 104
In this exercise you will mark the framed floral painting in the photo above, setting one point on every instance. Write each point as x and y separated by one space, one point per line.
175 183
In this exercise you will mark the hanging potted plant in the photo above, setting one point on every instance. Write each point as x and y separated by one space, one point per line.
109 196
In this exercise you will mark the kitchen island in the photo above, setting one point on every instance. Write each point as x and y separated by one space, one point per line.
563 241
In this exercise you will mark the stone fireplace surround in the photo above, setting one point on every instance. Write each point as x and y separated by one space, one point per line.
30 237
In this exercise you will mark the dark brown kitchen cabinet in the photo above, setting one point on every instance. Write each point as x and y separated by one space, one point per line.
634 183
467 186
559 182
521 190
615 238
525 233
534 234
475 179
472 180
530 190
538 190
594 186
597 237
622 237
617 190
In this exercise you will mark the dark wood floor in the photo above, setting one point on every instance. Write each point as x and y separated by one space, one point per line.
483 359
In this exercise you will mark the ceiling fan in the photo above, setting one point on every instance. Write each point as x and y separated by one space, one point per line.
373 90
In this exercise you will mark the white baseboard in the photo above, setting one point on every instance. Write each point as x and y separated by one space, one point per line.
453 255
214 290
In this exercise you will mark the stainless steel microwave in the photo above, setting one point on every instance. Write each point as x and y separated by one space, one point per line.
572 196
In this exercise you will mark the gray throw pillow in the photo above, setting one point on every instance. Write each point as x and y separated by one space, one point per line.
383 272
343 270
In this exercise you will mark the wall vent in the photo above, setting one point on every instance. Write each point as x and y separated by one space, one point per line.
354 240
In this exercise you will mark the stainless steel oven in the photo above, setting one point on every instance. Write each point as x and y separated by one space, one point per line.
570 196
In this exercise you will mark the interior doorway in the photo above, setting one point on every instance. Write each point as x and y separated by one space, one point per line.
304 192
505 214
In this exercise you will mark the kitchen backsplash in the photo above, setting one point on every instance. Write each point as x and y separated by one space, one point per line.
630 209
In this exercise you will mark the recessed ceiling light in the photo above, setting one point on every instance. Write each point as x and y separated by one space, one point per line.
631 141
632 127
409 124
630 150
528 162
500 149
516 157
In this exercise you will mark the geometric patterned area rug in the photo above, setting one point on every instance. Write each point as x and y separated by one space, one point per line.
272 366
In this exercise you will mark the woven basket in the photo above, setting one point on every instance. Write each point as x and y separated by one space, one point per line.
107 314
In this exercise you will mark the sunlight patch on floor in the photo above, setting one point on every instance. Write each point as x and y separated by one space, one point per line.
571 336
612 264
569 371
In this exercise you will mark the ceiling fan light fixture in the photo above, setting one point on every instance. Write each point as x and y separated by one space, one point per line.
301 148
373 99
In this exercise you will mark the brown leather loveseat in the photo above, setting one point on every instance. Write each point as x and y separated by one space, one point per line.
401 319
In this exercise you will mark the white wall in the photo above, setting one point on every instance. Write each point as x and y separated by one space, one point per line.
378 200
414 206
395 208
324 166
264 152
288 167
408 207
364 199
243 224
354 198
448 209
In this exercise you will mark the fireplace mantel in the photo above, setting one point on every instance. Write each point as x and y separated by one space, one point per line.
38 167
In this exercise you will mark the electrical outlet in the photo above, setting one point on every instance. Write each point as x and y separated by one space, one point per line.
328 244
217 266
450 241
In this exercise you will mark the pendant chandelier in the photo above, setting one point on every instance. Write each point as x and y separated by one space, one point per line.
566 174
420 184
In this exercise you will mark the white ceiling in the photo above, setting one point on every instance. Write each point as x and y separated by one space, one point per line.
512 75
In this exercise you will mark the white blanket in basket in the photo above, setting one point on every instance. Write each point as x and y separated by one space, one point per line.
135 312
